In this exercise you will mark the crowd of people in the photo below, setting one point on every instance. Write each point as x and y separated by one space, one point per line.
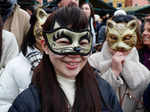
63 59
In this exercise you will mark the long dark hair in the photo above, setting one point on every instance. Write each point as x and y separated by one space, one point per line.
1 30
29 38
87 96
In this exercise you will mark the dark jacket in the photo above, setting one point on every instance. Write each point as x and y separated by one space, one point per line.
144 56
146 99
29 100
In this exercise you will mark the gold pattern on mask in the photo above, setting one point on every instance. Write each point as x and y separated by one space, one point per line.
63 40
121 36
41 16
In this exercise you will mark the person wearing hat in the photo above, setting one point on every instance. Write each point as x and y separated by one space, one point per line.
120 12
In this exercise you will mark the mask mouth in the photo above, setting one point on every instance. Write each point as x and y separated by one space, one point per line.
121 50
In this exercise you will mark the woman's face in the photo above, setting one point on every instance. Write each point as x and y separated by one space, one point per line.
86 9
146 34
67 66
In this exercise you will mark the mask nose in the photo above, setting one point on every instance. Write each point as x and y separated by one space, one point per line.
119 48
77 49
122 47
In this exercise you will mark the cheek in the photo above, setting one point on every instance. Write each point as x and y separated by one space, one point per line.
54 57
84 60
85 57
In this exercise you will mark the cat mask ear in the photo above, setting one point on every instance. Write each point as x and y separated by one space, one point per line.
110 24
132 25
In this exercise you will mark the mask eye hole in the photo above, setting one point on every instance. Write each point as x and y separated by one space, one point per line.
128 37
113 37
84 42
63 41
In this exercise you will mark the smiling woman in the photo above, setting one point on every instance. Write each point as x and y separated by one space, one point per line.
144 52
64 81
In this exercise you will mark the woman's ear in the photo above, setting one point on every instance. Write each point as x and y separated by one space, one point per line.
44 46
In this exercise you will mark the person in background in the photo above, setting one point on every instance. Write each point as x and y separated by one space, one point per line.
55 4
62 3
28 5
63 81
89 11
144 52
120 12
15 19
118 62
18 73
8 47
101 31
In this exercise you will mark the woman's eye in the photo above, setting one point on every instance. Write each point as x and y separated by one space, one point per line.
84 42
63 41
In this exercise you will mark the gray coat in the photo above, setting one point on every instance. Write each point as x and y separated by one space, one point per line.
132 81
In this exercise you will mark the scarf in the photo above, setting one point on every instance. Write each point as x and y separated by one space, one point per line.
34 56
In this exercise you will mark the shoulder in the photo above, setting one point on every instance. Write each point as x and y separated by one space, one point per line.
9 43
7 34
18 61
27 101
94 58
22 12
95 55
108 95
105 88
103 84
8 37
